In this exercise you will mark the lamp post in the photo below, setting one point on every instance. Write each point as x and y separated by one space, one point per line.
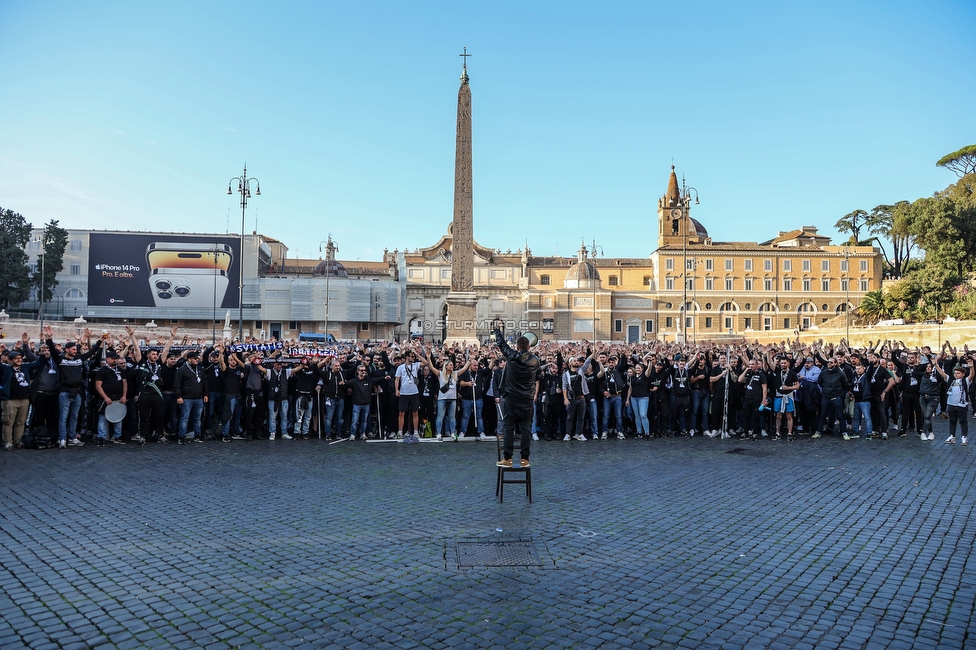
684 202
42 254
593 283
330 250
244 188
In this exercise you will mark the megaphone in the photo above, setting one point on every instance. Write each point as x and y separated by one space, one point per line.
533 339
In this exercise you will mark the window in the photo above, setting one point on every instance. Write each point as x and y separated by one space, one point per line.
669 264
76 244
34 245
806 266
649 325
690 284
445 274
747 322
787 265
729 284
364 327
293 324
786 323
709 284
864 285
499 274
787 284
612 280
690 264
768 284
748 265
669 284
33 267
647 280
825 284
547 302
708 305
825 265
257 324
75 269
864 266
669 322
768 265
824 306
806 284
74 293
415 274
689 322
709 264
618 325
728 322
545 279
708 322
748 284
729 267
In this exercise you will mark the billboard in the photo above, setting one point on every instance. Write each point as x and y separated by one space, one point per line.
163 270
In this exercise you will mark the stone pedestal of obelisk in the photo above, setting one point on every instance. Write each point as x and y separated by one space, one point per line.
462 302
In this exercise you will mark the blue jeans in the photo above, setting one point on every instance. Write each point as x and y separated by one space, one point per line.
215 403
445 409
593 416
700 403
304 412
467 406
360 415
862 410
613 403
190 412
68 408
640 415
333 415
103 425
274 409
233 403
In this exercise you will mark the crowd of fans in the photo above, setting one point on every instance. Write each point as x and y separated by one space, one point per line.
121 389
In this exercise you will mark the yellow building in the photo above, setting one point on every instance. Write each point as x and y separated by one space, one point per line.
689 288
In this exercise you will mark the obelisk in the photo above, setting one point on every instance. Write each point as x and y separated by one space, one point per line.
462 302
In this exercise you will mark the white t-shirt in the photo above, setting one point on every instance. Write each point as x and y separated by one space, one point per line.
407 374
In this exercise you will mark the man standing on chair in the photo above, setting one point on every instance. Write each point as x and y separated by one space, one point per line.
519 388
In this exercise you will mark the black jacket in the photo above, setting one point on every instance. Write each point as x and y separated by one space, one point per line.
522 372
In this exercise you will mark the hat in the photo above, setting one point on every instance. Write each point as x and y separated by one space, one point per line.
111 354
193 355
808 360
677 357
215 353
13 353
70 344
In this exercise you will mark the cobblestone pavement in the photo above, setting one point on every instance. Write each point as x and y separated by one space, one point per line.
665 543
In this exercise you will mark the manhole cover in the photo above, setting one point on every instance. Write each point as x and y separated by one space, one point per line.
484 553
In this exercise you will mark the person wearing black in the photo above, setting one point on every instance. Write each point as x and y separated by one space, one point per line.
575 395
254 397
15 395
215 398
360 391
784 384
721 397
551 409
911 380
659 385
519 388
833 382
881 383
277 386
930 389
44 386
149 397
306 377
71 377
111 387
233 376
190 388
167 375
756 396
701 395
613 390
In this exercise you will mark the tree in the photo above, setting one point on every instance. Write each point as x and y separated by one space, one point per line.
14 273
874 306
853 223
962 162
53 242
945 228
893 223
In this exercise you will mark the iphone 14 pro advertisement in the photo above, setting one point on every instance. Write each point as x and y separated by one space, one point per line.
147 270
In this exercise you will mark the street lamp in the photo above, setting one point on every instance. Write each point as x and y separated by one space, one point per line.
42 239
684 202
847 292
330 250
244 188
593 283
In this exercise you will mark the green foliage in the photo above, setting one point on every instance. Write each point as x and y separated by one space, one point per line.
14 273
962 162
875 306
54 243
853 223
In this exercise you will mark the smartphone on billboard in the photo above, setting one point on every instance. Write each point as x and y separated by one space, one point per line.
183 255
188 287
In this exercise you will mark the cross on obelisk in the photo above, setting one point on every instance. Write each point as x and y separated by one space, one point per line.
462 302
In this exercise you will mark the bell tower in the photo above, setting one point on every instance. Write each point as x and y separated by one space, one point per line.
674 220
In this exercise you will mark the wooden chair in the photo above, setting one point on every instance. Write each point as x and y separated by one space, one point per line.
511 475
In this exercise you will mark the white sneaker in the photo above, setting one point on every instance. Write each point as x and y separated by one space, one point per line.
566 438
603 436
352 437
620 435
951 440
846 437
62 444
764 434
580 437
923 436
726 435
271 437
438 437
285 436
482 436
964 441
884 435
816 434
931 436
74 442
460 436
535 437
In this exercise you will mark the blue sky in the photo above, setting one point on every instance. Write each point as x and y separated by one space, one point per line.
132 115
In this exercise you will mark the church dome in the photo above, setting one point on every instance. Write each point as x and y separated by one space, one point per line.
699 230
331 268
584 270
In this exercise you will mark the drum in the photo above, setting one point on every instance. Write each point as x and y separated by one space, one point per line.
115 412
